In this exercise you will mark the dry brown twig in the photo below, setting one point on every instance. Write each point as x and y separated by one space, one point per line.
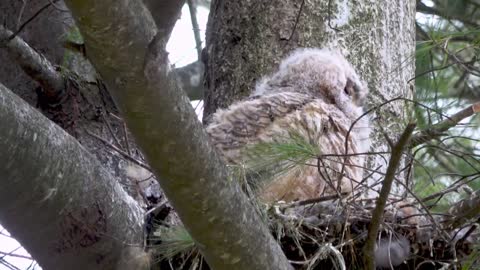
120 151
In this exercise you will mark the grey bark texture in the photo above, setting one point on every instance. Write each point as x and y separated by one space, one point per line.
158 10
123 44
34 64
44 33
247 39
42 73
56 199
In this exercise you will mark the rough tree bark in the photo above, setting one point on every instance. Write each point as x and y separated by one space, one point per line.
246 40
56 199
128 51
56 20
79 104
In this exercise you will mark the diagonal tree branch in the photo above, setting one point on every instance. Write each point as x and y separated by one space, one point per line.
377 214
439 128
56 198
122 42
34 64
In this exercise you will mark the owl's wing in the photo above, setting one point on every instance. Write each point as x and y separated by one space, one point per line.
325 127
242 123
273 118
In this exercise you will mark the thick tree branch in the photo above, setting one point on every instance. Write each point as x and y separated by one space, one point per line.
377 214
122 42
56 198
34 64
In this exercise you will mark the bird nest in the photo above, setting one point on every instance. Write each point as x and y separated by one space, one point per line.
328 233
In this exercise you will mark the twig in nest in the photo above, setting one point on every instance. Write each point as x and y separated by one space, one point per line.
120 151
313 201
125 132
125 135
111 130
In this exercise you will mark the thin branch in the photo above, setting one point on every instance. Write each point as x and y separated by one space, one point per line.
23 25
110 129
20 13
312 201
422 8
377 214
120 151
15 255
439 128
297 20
329 17
452 188
196 29
125 136
430 70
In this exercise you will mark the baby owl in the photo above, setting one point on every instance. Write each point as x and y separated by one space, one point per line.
315 94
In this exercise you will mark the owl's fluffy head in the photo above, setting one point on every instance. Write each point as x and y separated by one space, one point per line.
323 73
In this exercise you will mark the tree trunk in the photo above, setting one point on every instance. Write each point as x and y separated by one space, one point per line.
247 39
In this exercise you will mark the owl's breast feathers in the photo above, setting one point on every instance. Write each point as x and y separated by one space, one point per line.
273 117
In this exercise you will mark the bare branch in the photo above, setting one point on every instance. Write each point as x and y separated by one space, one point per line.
120 151
29 20
439 128
422 8
377 214
196 29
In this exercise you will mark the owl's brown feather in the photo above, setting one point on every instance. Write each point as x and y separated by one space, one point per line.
320 112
